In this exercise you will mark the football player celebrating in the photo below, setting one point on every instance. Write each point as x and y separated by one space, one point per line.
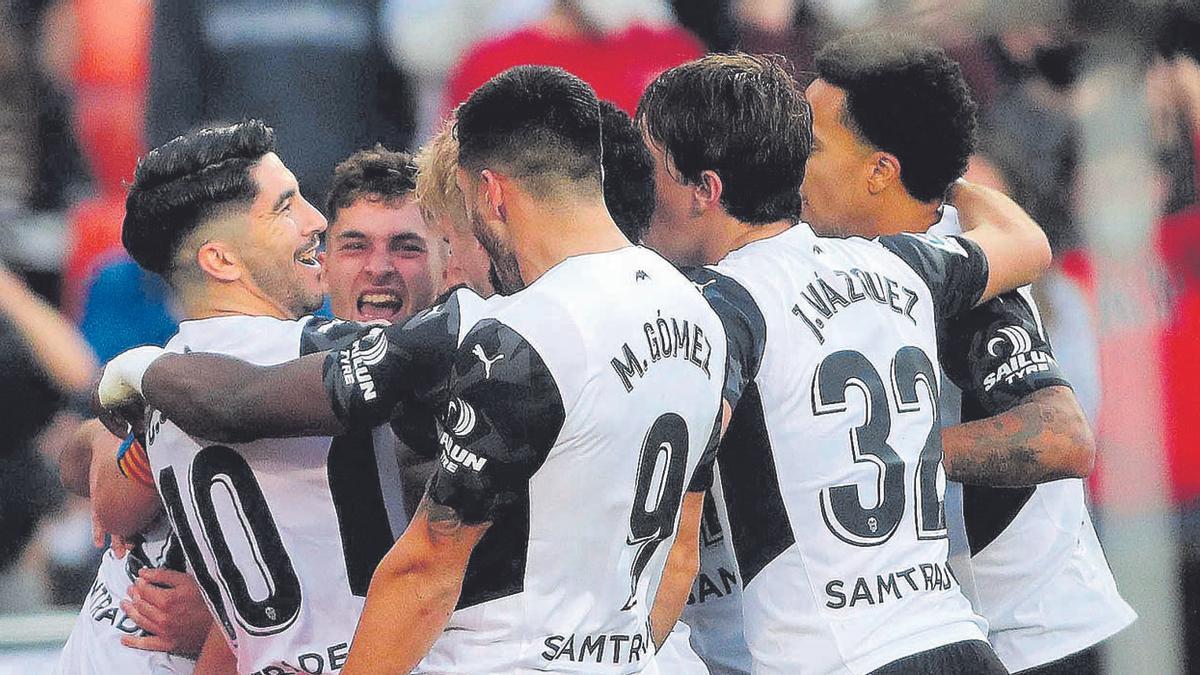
893 126
220 216
830 466
602 363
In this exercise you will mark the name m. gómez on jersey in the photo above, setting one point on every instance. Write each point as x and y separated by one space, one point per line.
576 413
282 535
831 465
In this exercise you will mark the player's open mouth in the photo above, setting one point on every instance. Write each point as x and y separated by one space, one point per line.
308 257
380 303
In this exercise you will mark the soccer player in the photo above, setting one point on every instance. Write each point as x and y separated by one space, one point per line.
282 536
602 365
830 467
893 126
383 261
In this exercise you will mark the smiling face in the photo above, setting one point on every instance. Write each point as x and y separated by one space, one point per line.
279 248
383 262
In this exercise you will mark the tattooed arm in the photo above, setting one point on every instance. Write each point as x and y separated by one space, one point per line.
1045 437
414 591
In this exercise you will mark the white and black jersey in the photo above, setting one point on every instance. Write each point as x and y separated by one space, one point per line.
94 647
1028 558
576 414
831 465
282 535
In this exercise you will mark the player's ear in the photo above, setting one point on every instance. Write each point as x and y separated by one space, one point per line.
493 194
706 193
883 172
219 261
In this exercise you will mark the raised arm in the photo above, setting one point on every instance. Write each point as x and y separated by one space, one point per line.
1016 248
222 398
502 419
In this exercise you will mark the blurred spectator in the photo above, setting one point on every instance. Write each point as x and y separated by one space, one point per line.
44 363
316 70
617 46
1029 129
787 27
107 63
40 167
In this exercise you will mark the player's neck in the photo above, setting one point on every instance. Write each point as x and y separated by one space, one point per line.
552 235
728 234
901 213
207 304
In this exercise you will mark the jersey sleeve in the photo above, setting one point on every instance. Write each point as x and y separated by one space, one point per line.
745 327
321 334
381 367
954 268
504 415
133 462
998 353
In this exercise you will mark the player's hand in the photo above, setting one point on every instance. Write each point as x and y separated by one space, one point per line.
118 400
167 604
121 383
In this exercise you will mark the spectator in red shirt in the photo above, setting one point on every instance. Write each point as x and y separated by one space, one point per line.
615 51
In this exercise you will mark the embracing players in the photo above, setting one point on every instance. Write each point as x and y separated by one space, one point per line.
831 465
893 125
603 369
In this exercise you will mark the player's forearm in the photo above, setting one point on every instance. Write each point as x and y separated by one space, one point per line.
408 606
1044 438
1017 248
122 506
221 398
683 563
216 658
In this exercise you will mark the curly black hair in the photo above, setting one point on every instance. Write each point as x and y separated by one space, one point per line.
181 183
908 98
628 173
374 173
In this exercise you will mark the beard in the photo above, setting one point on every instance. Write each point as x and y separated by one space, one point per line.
505 271
289 293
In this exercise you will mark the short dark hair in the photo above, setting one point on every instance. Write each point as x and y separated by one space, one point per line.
742 116
541 124
181 183
375 173
628 173
906 97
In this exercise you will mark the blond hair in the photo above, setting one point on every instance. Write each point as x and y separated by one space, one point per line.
438 195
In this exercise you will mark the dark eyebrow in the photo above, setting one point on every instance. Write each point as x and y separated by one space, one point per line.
283 199
350 234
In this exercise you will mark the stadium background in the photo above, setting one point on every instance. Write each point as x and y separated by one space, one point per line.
1090 118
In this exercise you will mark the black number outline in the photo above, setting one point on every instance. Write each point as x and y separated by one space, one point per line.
841 507
910 367
649 529
218 465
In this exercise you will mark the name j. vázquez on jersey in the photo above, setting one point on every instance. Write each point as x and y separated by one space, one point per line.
666 338
823 298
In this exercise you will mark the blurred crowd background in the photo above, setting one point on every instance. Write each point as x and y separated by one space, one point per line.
1090 118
